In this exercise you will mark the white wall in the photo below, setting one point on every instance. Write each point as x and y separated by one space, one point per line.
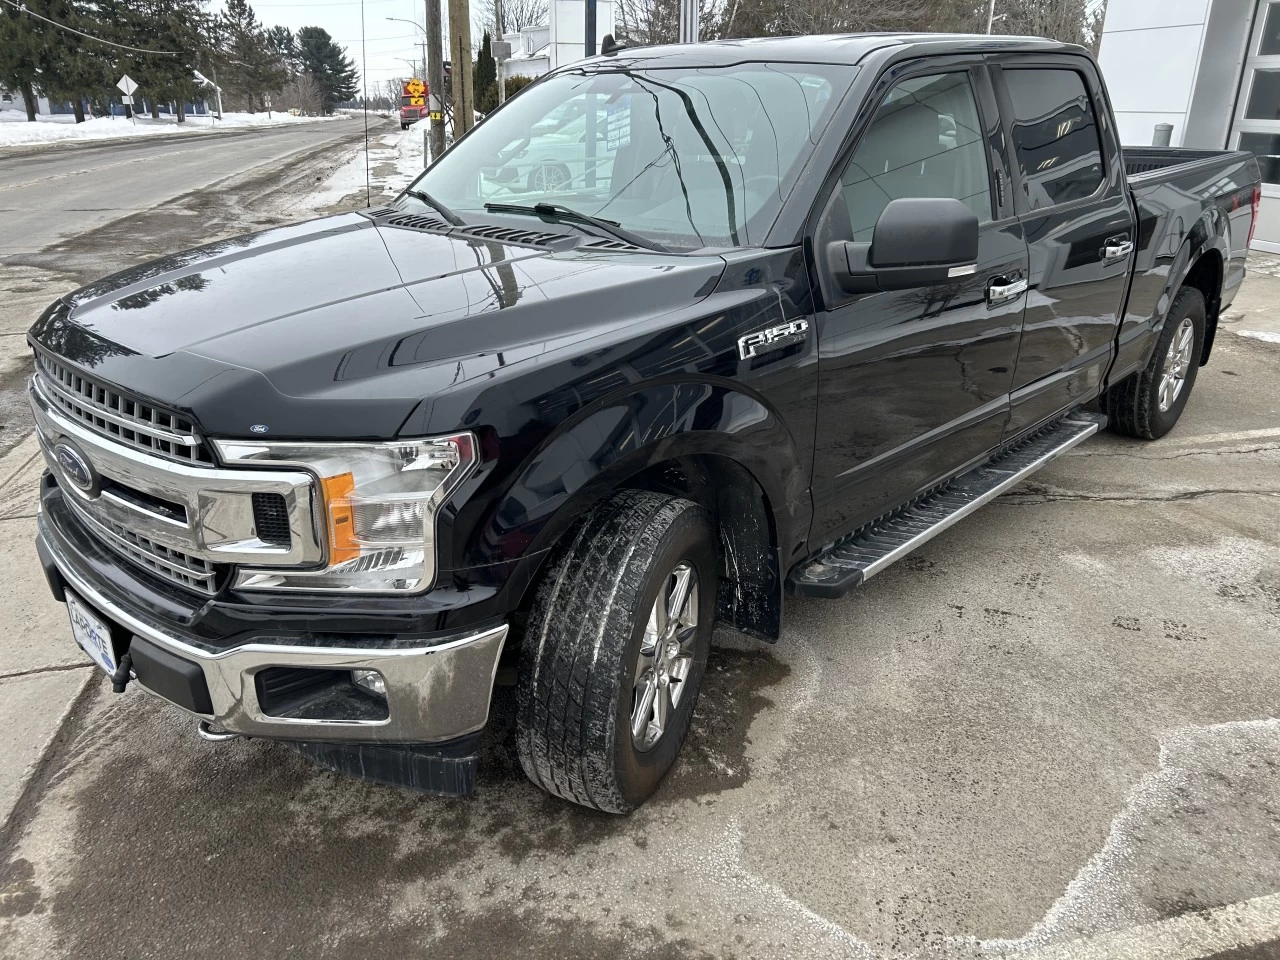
568 21
1150 55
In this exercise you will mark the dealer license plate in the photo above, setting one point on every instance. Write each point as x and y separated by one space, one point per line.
91 633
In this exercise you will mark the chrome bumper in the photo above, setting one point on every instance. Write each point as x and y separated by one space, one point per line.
434 693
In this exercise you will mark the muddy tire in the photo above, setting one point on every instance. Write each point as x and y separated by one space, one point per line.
611 643
1148 403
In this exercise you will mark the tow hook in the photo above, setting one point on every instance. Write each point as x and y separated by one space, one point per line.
124 673
214 734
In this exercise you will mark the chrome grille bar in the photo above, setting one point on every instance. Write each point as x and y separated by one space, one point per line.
156 558
118 416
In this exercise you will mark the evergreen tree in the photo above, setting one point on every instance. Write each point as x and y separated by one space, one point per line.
328 64
32 51
254 71
485 78
285 46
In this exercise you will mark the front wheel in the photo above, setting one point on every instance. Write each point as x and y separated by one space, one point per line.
615 650
1148 403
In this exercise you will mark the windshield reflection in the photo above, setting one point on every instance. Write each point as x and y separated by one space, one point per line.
690 157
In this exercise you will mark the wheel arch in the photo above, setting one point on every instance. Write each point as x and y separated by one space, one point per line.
1201 263
712 443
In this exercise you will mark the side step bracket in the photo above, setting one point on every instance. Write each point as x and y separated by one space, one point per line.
847 563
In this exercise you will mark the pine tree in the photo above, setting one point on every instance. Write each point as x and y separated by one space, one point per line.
254 71
485 78
285 46
328 64
29 52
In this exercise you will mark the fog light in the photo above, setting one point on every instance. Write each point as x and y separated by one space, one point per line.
370 681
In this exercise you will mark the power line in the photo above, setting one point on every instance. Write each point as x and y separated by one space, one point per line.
88 36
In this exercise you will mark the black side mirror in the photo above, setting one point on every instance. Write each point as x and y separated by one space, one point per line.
918 241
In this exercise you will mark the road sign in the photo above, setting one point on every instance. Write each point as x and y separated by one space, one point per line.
417 101
127 99
414 87
127 85
436 115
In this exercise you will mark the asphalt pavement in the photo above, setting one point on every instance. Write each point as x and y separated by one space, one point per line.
56 194
1050 733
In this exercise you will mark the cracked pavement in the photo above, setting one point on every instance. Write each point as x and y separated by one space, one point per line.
1050 733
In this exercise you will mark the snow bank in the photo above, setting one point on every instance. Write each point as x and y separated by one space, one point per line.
394 160
15 129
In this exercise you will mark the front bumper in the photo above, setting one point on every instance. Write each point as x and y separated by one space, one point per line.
438 688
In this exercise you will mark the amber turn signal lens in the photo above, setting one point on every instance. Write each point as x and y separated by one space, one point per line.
337 493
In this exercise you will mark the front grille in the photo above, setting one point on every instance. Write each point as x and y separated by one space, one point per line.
271 518
165 562
117 415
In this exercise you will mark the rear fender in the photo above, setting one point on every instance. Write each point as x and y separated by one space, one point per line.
1208 234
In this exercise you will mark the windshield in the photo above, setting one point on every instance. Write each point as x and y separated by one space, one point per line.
689 157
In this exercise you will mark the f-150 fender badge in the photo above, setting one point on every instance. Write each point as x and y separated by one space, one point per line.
773 338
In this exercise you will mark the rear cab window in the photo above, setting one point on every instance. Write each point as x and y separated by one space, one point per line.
1055 135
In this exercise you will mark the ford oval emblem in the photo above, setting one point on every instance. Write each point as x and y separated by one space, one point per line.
259 428
76 468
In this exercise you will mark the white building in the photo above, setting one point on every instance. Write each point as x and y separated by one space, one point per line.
1211 68
562 40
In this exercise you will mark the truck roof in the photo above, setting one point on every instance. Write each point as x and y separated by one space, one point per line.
847 48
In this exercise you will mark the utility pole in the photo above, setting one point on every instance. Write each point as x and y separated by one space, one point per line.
991 16
464 117
435 77
498 38
690 27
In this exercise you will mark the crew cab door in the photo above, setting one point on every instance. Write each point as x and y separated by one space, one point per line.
1073 202
914 384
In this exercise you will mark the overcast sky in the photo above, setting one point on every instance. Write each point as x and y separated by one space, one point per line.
386 41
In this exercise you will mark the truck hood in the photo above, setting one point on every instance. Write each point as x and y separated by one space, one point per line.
341 326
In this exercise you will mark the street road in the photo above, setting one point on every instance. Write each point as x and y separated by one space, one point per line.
56 194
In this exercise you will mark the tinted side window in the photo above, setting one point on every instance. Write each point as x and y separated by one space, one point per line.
924 141
1055 135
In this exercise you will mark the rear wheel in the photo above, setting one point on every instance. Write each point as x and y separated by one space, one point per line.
615 650
1147 404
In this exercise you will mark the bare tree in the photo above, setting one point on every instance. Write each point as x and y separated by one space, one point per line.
645 22
516 15
301 93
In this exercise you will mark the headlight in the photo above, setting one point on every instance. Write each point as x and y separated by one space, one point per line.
377 504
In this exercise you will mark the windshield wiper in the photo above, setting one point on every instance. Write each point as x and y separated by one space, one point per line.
439 207
555 211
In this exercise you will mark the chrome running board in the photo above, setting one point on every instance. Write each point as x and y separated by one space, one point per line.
848 562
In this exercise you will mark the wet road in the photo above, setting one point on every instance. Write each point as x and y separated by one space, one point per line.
54 195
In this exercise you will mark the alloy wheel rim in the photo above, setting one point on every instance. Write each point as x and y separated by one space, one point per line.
548 178
1177 364
666 657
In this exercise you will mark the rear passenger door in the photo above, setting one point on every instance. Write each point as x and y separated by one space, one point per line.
1072 200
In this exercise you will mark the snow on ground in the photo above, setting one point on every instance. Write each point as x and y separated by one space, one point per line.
1266 336
16 129
394 159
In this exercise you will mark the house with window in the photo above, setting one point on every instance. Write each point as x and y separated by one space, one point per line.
562 39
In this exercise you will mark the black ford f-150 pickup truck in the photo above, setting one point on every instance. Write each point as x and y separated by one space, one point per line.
674 332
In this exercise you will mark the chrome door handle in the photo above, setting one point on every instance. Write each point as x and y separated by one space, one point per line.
1001 292
1115 251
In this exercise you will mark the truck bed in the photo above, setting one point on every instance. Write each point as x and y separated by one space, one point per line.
1140 162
